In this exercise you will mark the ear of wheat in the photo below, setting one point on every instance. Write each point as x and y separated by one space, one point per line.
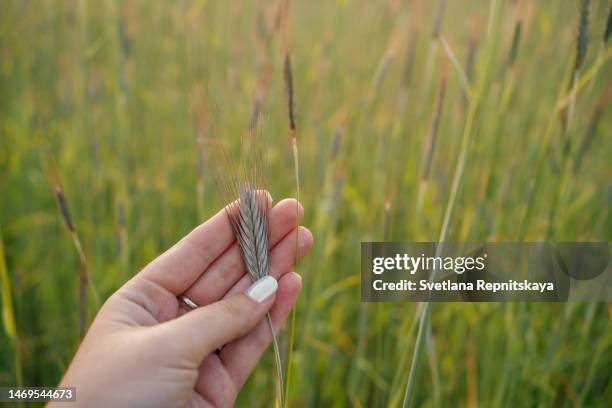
249 219
248 215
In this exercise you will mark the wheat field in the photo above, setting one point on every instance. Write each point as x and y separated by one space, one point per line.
416 121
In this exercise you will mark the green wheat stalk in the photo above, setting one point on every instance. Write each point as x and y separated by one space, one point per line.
290 97
466 139
85 284
290 102
567 115
8 315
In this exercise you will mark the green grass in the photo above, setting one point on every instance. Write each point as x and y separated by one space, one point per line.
111 93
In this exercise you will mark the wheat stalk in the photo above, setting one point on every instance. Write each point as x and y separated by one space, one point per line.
8 315
567 114
424 314
430 143
591 128
290 102
85 283
249 219
83 269
248 216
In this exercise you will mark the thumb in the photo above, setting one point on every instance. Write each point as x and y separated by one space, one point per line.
202 331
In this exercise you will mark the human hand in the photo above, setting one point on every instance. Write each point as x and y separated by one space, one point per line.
147 348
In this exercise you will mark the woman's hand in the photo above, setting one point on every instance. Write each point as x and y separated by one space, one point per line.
147 348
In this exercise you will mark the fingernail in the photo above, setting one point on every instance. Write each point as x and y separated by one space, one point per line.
262 289
298 276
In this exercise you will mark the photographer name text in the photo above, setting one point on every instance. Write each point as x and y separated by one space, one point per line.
404 263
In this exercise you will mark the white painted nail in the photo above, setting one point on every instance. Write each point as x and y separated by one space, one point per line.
262 289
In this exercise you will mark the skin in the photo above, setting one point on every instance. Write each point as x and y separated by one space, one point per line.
146 348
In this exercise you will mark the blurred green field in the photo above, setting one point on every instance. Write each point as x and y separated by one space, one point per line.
112 92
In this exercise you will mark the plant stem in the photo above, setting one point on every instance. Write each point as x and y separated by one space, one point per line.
456 184
279 363
290 95
8 316
296 168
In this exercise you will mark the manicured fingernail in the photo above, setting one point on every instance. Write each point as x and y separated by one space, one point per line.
262 289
